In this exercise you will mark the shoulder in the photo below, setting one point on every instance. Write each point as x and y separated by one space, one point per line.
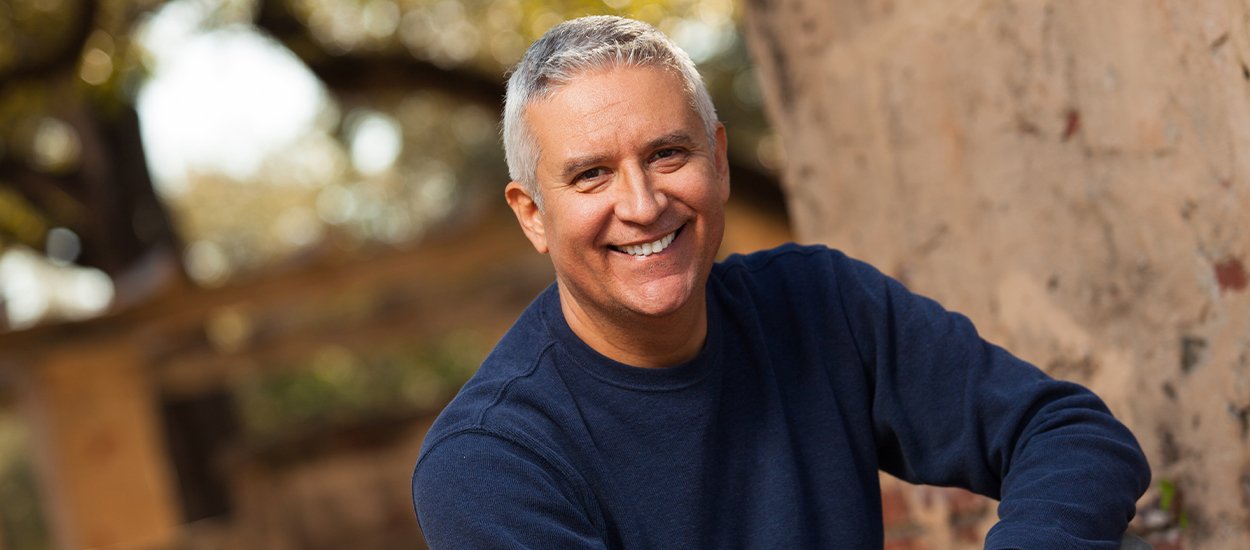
519 370
815 286
791 261
782 256
794 269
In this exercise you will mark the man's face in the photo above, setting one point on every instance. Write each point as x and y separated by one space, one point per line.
633 195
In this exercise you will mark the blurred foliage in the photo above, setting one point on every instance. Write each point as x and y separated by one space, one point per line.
488 35
19 219
67 59
335 385
386 156
449 158
1170 501
290 208
58 58
22 524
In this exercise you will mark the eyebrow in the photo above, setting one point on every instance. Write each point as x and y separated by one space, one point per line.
679 137
576 165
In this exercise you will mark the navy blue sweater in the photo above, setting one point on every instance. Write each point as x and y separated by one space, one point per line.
817 372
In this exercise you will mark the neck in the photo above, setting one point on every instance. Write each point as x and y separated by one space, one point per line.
640 340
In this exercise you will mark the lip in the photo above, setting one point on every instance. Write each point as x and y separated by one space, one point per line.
676 233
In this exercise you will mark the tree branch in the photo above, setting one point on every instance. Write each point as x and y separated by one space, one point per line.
352 73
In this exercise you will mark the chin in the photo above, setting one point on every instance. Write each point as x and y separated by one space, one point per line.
668 300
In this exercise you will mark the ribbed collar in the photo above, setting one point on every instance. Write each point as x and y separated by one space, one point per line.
626 376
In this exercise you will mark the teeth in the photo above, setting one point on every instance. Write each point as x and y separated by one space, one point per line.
649 248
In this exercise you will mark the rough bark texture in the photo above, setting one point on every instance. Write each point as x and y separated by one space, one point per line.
1074 176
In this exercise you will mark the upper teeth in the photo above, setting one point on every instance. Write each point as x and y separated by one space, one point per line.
649 248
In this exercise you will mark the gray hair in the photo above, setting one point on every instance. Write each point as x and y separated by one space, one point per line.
577 46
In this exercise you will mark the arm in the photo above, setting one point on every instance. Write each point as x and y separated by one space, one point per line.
952 409
475 490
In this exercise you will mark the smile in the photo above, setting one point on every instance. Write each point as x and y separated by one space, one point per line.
647 249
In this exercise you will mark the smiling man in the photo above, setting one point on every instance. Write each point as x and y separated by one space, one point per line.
632 187
652 398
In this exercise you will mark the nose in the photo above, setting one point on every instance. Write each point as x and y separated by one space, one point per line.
641 201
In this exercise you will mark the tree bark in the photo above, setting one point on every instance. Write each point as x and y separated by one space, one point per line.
1072 175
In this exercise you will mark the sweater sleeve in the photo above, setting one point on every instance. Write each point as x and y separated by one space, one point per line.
952 409
475 490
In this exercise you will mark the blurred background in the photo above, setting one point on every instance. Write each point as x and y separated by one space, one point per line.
249 248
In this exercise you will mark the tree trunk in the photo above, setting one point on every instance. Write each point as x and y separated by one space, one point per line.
1072 175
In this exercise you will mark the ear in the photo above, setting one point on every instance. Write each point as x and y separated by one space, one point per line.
722 160
527 214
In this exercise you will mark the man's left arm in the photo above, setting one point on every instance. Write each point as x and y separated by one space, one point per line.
951 409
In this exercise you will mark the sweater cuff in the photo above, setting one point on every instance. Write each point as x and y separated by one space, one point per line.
1005 536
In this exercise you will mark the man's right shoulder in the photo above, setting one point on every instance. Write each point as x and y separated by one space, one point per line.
514 376
502 380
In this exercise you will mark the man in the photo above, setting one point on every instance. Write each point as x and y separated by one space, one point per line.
653 399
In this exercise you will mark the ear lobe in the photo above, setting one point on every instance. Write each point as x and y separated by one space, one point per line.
527 214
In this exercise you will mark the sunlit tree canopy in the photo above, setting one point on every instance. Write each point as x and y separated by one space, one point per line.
277 128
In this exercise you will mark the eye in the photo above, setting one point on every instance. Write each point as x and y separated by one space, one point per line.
666 153
670 158
590 174
589 178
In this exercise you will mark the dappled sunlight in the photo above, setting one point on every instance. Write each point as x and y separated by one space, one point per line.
35 287
355 169
376 140
221 101
56 147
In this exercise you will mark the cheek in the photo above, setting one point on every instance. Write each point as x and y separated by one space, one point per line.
702 189
580 220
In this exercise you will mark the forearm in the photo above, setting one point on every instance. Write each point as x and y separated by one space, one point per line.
1073 480
952 409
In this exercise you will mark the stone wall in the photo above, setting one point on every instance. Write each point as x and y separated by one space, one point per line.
1074 176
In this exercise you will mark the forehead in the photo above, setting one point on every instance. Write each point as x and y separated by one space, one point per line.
611 108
